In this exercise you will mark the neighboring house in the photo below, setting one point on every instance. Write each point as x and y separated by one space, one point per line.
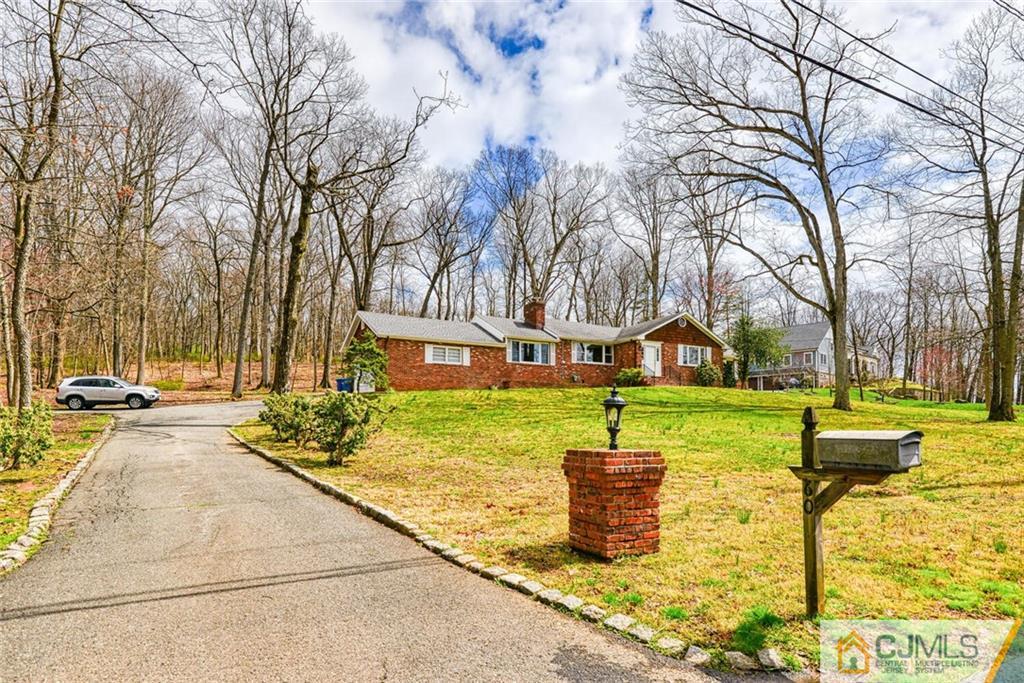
425 353
809 360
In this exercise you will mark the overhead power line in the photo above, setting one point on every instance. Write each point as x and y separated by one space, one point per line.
1010 9
883 76
914 71
839 72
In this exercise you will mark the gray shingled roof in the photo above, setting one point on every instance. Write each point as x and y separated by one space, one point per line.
640 329
517 329
427 329
567 329
808 336
493 331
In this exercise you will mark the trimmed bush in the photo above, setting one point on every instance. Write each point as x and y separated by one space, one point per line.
729 376
339 422
630 377
363 358
290 416
708 374
26 435
343 422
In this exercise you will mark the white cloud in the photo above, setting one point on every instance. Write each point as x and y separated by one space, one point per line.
565 94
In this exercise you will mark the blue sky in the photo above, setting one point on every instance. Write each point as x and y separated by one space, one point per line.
548 72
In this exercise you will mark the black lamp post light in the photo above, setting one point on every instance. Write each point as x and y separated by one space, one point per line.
613 406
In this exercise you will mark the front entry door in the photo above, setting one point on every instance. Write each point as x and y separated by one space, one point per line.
652 360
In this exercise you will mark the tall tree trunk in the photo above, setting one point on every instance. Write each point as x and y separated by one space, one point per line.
10 363
289 311
23 236
250 274
218 343
117 302
265 333
856 363
1006 354
57 343
709 287
332 302
148 191
841 401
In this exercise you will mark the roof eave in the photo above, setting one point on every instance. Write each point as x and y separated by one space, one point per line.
689 318
443 342
700 326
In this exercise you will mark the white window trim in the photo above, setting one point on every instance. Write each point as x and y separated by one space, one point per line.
610 347
428 354
703 354
552 351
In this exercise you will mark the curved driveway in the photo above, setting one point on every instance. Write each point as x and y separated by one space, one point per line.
181 556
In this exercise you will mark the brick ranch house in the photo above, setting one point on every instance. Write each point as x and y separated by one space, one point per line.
488 351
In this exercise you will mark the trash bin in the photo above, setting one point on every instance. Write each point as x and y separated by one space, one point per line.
345 384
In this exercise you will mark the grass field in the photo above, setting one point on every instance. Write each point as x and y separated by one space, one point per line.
21 488
481 470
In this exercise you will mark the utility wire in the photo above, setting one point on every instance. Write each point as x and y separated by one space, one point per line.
911 69
1016 127
882 75
839 72
1010 9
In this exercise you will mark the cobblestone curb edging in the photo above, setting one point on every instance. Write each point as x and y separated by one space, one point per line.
619 624
40 516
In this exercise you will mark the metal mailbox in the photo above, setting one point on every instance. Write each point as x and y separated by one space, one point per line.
885 451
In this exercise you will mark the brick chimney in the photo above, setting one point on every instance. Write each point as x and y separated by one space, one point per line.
533 313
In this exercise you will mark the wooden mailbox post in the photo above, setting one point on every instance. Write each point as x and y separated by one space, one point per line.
852 458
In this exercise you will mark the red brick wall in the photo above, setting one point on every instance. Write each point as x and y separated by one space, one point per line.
614 501
408 370
671 336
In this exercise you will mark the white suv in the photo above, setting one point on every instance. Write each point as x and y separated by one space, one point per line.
85 392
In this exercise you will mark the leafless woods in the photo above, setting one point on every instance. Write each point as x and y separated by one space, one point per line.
209 183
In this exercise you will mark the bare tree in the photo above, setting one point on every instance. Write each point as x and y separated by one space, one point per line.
452 233
712 210
266 46
771 116
41 39
505 177
168 154
970 176
332 108
648 201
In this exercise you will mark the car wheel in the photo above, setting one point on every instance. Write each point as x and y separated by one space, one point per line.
135 402
75 403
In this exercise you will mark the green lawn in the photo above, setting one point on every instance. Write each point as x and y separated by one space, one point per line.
21 488
481 470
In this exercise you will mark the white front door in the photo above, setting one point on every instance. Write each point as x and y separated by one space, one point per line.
652 360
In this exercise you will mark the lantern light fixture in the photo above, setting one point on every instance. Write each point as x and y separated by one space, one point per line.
613 406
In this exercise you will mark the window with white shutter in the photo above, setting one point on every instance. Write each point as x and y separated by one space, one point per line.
447 355
692 356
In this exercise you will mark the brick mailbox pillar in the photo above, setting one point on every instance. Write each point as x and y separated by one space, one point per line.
613 501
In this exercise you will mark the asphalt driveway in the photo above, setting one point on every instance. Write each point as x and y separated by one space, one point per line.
181 556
